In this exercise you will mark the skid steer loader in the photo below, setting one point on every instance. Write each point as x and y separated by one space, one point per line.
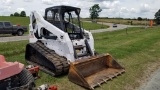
58 44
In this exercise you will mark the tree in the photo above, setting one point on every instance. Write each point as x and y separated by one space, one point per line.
23 14
16 14
11 15
157 17
94 11
139 19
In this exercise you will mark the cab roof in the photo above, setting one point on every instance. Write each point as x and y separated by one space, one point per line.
63 8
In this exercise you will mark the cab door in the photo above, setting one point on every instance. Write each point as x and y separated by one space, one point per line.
8 27
2 30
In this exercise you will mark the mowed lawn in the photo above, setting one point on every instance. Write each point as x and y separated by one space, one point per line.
121 21
25 22
16 20
93 26
138 51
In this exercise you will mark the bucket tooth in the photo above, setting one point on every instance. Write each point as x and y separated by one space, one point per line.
99 84
116 74
105 80
120 73
92 88
93 71
110 78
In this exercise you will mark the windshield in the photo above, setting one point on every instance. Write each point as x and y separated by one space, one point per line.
72 22
67 21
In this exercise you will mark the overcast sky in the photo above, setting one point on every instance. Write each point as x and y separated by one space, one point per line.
110 8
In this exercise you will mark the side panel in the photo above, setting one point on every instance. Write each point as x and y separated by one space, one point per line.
63 48
8 27
90 40
1 28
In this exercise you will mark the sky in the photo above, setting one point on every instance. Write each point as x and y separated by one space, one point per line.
110 8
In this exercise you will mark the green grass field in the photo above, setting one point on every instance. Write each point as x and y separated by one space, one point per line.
138 51
121 21
16 20
25 21
93 26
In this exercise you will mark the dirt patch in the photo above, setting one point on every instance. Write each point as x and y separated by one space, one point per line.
150 79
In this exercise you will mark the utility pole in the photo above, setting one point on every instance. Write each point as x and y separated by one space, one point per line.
119 18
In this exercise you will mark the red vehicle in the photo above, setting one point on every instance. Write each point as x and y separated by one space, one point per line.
14 76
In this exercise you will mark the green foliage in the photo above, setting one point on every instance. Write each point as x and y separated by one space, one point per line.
94 11
139 19
11 15
23 14
157 17
16 14
157 14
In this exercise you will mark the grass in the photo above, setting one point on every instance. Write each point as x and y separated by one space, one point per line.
16 20
25 22
135 51
121 21
93 26
138 51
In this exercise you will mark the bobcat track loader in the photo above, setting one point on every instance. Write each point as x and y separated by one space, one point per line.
58 44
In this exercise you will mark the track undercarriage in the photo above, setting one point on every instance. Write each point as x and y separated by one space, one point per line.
46 59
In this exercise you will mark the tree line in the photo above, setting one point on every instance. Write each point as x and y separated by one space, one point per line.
21 14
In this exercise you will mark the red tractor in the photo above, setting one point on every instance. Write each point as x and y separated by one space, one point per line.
14 76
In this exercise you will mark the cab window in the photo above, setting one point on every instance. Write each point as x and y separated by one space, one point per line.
1 24
7 24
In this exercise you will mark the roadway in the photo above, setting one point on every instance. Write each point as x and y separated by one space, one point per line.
10 38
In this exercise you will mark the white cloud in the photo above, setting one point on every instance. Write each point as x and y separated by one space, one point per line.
109 4
20 9
47 2
124 10
5 10
27 0
144 8
133 10
7 2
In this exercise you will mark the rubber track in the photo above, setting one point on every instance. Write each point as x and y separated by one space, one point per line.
26 81
60 63
26 78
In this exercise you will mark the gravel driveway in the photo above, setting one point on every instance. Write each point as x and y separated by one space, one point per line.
13 38
111 28
25 37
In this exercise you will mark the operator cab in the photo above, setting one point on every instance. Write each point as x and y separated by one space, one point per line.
65 18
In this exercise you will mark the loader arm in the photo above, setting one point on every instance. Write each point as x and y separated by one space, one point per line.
40 29
72 43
